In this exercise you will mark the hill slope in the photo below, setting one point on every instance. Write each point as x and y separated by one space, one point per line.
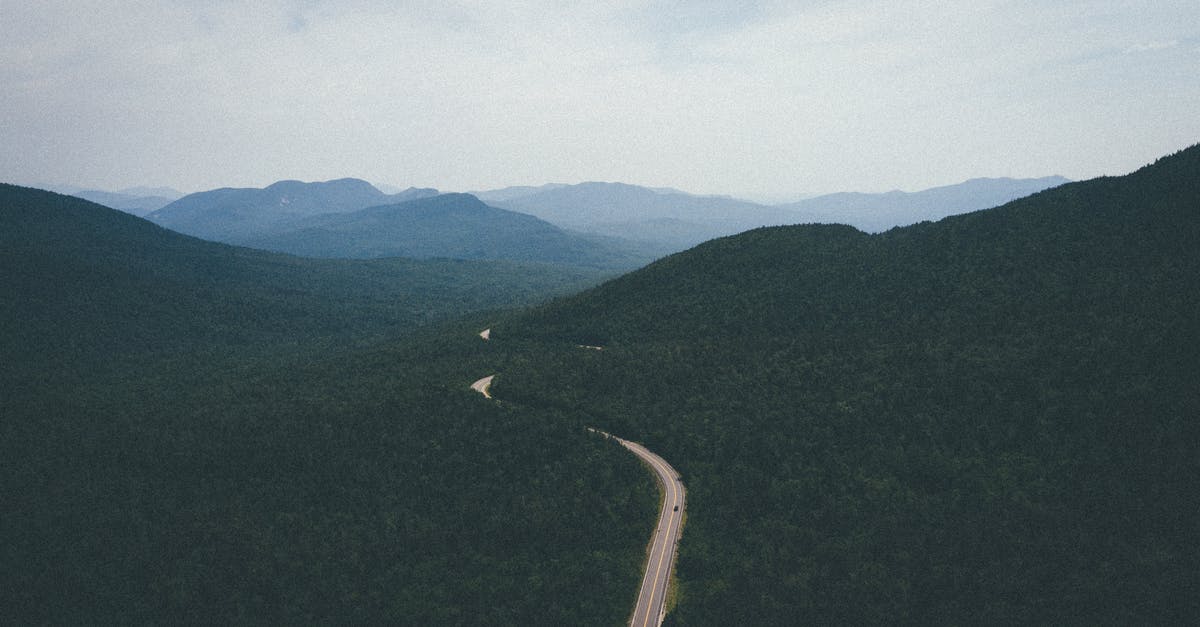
458 226
990 419
195 433
234 215
88 283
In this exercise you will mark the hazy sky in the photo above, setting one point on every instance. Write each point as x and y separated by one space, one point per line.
745 98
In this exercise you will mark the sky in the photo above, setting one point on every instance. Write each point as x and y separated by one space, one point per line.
765 100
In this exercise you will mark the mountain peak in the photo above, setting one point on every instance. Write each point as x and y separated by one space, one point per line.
342 184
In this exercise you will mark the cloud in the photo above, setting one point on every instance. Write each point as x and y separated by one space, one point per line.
467 94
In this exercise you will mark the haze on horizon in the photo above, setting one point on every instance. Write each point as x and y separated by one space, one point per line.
757 99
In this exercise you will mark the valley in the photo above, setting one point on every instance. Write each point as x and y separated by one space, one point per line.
985 418
620 314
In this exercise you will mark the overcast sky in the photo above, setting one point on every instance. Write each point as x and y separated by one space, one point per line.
761 99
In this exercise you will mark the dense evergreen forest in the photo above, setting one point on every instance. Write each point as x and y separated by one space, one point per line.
370 488
196 433
989 419
84 285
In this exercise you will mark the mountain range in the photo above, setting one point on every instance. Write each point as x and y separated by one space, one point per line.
233 215
350 218
675 220
671 219
458 226
139 201
986 419
640 222
875 213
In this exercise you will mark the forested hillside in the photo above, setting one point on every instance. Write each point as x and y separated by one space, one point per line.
84 285
989 419
197 433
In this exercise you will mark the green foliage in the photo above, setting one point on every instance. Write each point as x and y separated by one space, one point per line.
196 433
372 487
988 419
84 285
991 419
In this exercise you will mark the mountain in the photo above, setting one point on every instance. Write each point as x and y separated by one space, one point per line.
406 193
880 212
236 215
664 217
988 419
162 192
675 220
516 191
139 201
197 433
85 284
456 226
138 205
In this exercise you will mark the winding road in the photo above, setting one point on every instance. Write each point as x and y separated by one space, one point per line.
652 597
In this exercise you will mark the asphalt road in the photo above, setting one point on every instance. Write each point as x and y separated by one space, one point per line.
653 594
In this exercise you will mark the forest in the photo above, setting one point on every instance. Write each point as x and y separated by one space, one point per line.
988 419
197 433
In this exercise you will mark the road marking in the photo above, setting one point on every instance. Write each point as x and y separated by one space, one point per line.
671 498
663 553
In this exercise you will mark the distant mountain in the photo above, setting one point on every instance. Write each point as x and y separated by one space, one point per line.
675 220
406 193
880 212
138 205
139 201
457 226
236 215
662 216
987 419
514 192
412 193
162 192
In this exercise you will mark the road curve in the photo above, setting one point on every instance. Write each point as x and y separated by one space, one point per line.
651 603
482 386
653 595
